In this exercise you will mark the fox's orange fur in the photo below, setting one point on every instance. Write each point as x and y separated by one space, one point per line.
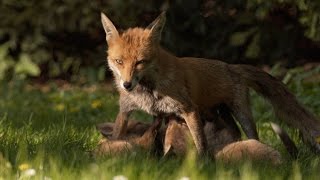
140 135
221 144
152 79
248 149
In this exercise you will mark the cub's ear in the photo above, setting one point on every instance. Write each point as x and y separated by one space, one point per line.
105 129
156 26
109 28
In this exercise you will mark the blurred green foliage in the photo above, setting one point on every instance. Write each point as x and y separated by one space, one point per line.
64 39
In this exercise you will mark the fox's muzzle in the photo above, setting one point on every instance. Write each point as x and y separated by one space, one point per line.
127 85
129 79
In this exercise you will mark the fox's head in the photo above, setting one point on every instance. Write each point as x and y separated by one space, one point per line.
131 54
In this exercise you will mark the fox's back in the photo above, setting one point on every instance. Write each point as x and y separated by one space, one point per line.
209 80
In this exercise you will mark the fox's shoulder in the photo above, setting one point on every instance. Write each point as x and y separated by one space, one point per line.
202 65
201 61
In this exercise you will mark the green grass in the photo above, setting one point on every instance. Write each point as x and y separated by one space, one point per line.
53 132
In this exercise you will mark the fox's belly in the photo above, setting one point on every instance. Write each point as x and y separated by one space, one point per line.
156 105
168 105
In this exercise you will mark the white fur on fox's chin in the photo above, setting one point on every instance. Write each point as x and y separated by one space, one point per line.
121 84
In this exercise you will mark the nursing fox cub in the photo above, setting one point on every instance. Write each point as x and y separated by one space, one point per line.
224 141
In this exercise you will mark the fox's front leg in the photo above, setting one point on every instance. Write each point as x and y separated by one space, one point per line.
195 126
125 109
120 125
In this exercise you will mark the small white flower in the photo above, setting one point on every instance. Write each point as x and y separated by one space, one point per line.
47 178
184 178
29 173
120 177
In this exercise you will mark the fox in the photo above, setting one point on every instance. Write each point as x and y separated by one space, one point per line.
249 149
221 146
224 145
169 137
152 79
177 135
139 136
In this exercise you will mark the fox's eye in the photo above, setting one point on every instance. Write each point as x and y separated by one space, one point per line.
141 62
119 61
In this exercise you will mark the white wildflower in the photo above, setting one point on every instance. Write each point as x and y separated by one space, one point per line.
28 173
120 177
47 178
184 178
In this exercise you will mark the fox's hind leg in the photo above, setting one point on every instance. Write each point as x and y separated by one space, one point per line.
240 108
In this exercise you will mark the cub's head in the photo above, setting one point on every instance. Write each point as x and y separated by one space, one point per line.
131 54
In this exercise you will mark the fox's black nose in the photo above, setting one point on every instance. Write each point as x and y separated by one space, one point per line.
127 85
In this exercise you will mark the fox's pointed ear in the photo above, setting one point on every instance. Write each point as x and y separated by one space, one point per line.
105 129
109 28
156 26
167 150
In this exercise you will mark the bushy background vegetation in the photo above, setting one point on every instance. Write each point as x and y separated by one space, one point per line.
64 39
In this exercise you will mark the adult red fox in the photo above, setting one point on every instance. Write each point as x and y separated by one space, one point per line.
151 79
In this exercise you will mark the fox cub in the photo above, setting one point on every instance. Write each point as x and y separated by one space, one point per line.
224 144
